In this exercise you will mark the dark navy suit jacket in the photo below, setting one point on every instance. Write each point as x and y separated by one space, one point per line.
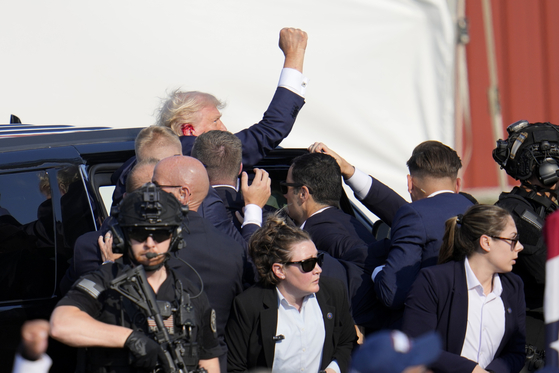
254 320
383 201
346 239
416 237
439 301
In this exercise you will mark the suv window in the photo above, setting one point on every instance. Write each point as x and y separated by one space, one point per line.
39 224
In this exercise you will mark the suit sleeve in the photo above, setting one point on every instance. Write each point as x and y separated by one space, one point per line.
383 201
420 317
512 358
393 283
276 124
237 336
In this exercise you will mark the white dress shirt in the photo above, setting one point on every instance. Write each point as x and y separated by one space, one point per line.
303 334
486 320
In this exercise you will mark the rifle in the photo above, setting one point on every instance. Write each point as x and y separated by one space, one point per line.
134 285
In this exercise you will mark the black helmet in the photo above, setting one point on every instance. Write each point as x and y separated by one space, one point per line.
152 208
532 148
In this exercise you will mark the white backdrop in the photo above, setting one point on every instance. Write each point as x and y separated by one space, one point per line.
381 71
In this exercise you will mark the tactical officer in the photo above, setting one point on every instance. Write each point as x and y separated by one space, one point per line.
133 320
531 155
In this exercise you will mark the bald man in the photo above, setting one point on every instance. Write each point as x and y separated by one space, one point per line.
218 259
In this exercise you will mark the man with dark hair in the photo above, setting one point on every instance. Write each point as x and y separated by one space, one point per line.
417 227
221 153
313 189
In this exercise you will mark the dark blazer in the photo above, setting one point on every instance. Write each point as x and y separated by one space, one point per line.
416 237
234 202
347 240
383 201
439 301
254 319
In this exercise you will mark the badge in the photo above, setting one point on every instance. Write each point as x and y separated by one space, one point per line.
213 323
329 315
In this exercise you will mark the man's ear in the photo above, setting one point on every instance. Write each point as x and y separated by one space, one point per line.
484 241
277 269
184 193
410 184
241 168
304 193
458 184
188 129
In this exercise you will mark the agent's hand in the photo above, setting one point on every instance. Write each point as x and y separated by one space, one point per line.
106 248
34 339
145 351
259 191
293 43
347 169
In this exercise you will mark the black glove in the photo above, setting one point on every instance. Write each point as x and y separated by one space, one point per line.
145 351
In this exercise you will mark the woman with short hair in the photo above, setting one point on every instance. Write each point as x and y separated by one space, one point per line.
292 319
472 299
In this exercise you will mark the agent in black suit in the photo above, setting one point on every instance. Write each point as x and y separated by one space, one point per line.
472 300
293 320
221 154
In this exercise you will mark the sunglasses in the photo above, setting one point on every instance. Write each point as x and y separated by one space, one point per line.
285 184
142 234
308 265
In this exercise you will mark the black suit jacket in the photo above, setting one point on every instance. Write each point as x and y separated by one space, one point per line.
439 301
253 323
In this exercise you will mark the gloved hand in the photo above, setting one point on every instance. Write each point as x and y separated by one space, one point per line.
145 351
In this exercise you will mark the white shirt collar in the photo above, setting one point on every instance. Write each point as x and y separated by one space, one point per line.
473 282
440 192
316 212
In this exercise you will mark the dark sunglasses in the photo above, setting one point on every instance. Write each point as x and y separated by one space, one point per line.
512 241
308 265
142 234
285 184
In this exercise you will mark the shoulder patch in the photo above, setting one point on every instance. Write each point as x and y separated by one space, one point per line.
533 219
90 287
213 322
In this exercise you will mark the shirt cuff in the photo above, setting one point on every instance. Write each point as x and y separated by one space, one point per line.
360 183
376 272
293 80
22 365
334 365
253 215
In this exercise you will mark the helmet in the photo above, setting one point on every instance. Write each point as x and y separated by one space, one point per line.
152 208
531 149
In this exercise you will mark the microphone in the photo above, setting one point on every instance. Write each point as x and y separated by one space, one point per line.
154 255
278 338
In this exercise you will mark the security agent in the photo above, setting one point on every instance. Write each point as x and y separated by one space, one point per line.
531 155
118 332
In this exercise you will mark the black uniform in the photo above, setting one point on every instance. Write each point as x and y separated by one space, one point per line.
92 294
529 210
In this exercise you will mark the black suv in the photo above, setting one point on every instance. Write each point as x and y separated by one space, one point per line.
55 185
